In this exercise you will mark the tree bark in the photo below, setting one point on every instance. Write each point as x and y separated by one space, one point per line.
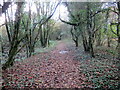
118 32
15 40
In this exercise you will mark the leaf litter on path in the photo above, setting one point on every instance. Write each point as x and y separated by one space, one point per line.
55 69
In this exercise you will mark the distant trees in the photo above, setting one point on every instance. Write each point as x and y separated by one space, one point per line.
45 12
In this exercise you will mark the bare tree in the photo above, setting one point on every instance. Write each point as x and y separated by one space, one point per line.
14 38
38 23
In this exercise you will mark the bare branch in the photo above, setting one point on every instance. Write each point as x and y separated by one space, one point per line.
74 24
2 25
114 11
5 6
40 22
77 23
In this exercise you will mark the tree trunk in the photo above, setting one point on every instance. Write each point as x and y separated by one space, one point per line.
27 51
11 56
118 29
85 43
108 41
14 43
31 50
76 42
90 30
98 42
91 46
118 48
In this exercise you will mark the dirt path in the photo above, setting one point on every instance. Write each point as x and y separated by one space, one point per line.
55 69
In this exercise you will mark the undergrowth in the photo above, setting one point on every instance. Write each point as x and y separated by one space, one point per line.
102 71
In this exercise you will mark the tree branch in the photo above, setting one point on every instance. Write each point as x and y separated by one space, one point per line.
76 24
40 22
73 24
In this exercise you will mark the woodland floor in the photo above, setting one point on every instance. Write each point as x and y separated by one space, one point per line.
63 67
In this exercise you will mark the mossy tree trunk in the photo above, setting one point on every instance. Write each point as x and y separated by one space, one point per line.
118 30
14 37
75 35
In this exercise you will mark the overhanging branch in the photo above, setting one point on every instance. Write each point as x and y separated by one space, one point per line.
73 24
78 23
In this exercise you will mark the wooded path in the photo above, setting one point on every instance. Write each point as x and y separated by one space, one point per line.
54 69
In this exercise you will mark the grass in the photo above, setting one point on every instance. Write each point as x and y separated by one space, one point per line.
39 49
